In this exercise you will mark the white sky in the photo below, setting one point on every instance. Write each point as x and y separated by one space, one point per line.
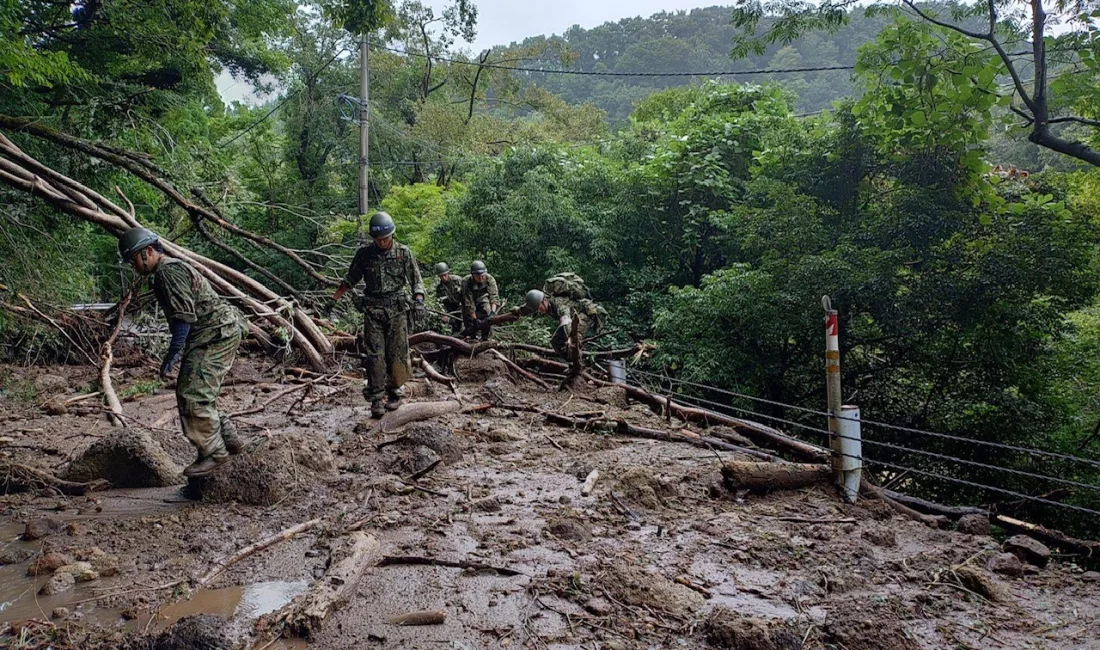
500 22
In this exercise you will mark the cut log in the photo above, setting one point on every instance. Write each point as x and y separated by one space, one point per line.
765 477
417 412
337 586
419 618
1083 547
590 482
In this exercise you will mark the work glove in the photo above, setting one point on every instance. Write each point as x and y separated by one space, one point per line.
179 330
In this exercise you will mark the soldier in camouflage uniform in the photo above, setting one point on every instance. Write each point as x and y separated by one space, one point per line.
565 297
390 274
207 330
449 294
480 301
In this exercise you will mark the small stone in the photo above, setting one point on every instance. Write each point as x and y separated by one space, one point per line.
1090 576
982 584
105 565
87 554
491 504
60 612
60 582
974 525
565 499
1029 550
569 528
598 606
43 527
75 569
15 555
55 408
48 563
1006 564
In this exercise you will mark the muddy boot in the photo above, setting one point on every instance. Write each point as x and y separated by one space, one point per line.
233 442
377 409
205 466
393 399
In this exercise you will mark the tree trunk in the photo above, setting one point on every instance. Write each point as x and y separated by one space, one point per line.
765 477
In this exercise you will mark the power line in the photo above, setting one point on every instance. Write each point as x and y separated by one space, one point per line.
282 103
874 423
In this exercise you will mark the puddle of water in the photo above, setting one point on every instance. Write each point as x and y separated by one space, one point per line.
247 602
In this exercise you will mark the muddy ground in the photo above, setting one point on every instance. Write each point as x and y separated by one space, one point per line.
659 555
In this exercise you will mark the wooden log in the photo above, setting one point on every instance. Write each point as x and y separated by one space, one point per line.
419 618
337 586
417 412
226 562
875 492
1083 547
106 356
765 477
932 508
590 482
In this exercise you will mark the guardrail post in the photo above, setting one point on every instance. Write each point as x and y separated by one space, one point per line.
832 385
851 452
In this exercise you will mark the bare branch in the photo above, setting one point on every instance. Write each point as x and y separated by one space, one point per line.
1077 120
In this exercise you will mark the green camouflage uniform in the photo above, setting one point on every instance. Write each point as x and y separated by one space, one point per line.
478 301
449 294
216 331
389 277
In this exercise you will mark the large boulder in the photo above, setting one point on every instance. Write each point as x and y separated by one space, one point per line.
126 458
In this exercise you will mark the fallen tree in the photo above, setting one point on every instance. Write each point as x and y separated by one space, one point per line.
766 477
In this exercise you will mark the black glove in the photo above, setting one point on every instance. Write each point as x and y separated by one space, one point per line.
179 330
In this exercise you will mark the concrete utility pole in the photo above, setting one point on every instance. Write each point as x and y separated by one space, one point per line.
364 126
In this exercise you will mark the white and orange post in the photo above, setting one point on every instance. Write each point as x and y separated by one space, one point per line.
844 439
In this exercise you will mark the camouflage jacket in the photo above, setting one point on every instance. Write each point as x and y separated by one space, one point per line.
184 295
479 295
390 277
449 293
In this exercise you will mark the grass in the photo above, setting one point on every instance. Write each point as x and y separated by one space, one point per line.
138 388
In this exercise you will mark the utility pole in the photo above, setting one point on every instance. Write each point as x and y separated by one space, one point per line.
364 125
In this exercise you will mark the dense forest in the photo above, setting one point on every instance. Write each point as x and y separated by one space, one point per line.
708 216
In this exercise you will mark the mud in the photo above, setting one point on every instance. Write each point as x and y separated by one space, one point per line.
606 570
127 458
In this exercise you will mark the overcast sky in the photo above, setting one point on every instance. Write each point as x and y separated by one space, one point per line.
500 22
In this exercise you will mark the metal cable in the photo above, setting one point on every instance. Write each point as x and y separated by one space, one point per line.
1019 495
874 423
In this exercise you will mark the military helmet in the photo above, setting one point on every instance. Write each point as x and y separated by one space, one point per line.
478 268
135 240
534 299
442 268
381 225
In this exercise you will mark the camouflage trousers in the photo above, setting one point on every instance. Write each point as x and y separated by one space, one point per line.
202 371
385 350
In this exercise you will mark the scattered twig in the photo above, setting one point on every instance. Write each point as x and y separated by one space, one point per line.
416 560
229 561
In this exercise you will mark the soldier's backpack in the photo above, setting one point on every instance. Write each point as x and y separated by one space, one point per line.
567 285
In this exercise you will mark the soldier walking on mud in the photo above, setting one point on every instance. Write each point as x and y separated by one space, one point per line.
449 294
480 300
207 331
392 287
566 297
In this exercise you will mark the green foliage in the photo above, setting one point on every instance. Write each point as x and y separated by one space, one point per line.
139 388
418 209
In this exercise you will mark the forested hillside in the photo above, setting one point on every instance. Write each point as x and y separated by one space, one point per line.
709 217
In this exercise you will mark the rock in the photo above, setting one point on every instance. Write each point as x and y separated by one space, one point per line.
51 384
105 565
565 499
501 433
569 528
974 525
15 555
881 537
86 554
48 563
60 612
728 629
423 458
60 582
633 585
490 504
983 584
55 408
266 474
1006 564
612 395
642 486
82 571
598 606
1090 576
127 458
43 527
1027 549
198 632
436 437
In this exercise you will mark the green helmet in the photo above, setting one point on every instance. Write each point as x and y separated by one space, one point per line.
442 268
381 225
135 240
534 299
478 268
